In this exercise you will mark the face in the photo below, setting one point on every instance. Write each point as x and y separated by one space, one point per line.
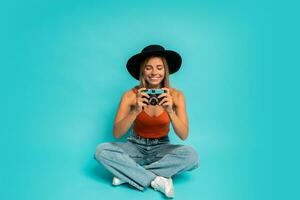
154 72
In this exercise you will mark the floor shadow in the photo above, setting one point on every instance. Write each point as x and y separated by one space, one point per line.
97 172
181 178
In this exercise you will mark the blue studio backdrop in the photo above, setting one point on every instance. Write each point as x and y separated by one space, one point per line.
63 74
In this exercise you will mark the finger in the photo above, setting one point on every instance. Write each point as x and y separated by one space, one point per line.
163 101
166 89
142 94
145 95
140 90
141 101
165 104
144 104
162 95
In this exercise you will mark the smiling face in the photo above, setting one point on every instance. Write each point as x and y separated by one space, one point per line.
154 72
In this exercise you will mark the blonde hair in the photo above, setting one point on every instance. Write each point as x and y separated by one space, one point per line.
165 82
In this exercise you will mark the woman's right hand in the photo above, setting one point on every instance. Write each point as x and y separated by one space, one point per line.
141 100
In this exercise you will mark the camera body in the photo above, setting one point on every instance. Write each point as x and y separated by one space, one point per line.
154 93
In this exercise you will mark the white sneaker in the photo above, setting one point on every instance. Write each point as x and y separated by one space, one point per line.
164 185
116 181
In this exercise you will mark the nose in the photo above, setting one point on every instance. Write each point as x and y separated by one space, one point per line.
154 72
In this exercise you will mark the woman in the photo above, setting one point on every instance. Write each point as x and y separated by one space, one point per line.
148 158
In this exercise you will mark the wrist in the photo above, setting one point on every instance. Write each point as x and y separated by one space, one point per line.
170 111
134 112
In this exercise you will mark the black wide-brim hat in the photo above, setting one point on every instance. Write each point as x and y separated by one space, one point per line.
173 59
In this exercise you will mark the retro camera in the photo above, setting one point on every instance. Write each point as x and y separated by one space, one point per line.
154 93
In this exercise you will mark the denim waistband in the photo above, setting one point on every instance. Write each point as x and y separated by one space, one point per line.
133 137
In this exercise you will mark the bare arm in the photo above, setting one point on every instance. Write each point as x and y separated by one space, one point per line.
179 118
126 115
121 127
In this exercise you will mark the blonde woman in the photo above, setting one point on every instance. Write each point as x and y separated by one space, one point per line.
148 158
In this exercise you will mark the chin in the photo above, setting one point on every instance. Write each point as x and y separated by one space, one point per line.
154 84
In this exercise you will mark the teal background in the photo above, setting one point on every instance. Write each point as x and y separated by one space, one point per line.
63 74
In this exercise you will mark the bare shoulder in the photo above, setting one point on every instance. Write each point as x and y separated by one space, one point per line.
129 96
176 93
177 96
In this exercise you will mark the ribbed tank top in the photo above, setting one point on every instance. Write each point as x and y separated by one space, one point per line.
148 126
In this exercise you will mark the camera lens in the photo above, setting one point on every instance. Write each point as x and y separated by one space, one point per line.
153 101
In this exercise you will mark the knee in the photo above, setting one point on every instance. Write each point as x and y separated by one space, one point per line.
102 149
190 155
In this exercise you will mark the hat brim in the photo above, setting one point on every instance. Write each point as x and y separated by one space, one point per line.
173 59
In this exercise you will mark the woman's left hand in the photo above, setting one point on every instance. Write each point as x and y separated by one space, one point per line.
167 100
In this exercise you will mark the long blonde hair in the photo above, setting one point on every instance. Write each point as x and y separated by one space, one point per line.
165 82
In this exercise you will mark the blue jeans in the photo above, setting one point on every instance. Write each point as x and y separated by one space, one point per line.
139 160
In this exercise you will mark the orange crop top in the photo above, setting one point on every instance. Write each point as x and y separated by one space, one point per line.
151 127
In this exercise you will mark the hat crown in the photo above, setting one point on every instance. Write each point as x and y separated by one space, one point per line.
153 48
